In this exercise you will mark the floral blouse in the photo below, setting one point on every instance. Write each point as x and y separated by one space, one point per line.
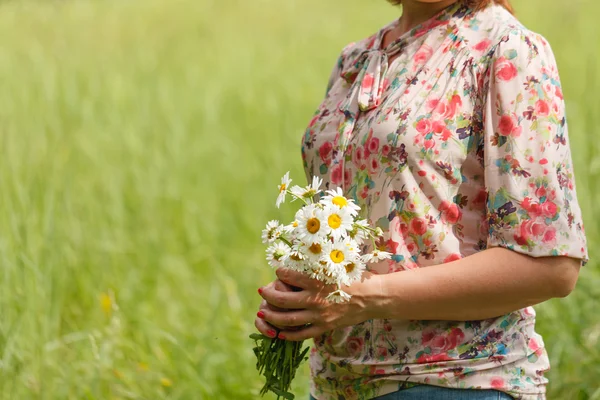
458 145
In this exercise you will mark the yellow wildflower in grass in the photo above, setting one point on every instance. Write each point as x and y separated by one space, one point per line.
106 303
142 366
166 382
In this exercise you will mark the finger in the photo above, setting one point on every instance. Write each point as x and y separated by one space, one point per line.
289 318
282 286
295 278
309 332
266 306
275 285
265 328
290 300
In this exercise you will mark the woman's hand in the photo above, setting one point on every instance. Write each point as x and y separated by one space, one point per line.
307 310
263 326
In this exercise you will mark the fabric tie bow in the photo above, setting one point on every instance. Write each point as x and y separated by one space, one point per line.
367 76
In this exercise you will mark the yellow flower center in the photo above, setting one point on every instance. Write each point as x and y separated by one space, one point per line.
295 224
313 225
340 201
337 256
315 248
334 221
295 257
350 267
282 187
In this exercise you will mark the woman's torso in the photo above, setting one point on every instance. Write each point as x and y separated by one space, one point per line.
406 145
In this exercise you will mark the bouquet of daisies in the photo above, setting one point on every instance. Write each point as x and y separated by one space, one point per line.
323 241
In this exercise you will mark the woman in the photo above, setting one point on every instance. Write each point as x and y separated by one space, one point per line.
448 128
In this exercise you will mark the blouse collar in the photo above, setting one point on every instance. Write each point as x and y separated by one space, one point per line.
445 16
366 74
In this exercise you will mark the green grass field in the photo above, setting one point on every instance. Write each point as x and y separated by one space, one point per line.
141 144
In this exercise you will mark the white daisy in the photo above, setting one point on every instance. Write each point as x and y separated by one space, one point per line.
309 191
272 232
311 224
316 184
354 271
335 197
336 255
339 296
283 188
353 247
277 254
338 221
295 261
359 231
317 271
327 276
376 255
312 252
291 227
381 255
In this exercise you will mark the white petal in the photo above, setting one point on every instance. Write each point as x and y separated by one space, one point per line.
316 183
339 296
280 199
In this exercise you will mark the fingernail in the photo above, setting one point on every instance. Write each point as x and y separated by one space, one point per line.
261 314
271 333
281 336
260 290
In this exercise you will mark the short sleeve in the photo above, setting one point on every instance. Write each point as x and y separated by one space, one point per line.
532 205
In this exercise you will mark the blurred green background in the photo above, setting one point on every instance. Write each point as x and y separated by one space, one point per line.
142 142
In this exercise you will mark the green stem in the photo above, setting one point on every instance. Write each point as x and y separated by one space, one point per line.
366 228
297 197
284 240
278 361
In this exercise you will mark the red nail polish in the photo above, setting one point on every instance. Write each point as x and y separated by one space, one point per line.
260 314
271 333
260 290
281 336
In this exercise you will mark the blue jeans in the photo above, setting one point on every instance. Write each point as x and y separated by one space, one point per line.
427 392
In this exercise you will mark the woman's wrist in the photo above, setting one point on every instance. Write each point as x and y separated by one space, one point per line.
369 296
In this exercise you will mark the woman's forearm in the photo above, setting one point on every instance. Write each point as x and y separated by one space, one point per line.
487 284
